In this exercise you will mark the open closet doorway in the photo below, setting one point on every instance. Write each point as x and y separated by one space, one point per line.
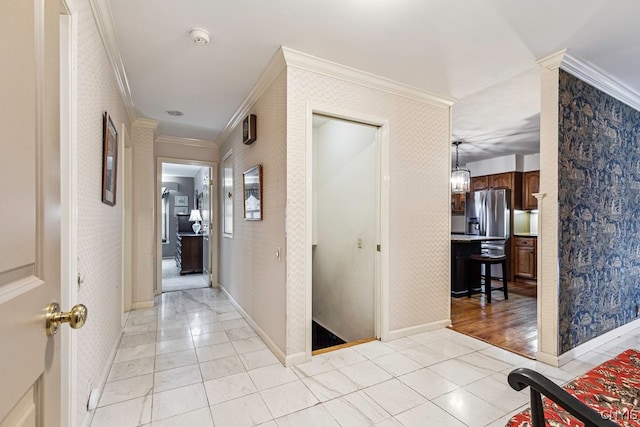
345 232
185 234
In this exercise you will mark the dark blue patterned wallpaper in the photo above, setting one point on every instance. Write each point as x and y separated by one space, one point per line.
599 219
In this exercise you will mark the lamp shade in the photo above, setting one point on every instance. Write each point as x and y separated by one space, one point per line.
195 215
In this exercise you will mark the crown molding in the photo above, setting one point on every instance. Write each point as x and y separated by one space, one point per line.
104 21
191 142
145 123
274 68
553 61
294 58
592 75
286 57
597 78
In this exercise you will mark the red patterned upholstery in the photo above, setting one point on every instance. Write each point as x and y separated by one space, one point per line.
612 389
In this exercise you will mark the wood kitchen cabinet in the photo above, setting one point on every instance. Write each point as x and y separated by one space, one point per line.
458 203
479 183
526 254
530 185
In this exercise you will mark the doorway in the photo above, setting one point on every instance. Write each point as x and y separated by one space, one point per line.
185 233
345 232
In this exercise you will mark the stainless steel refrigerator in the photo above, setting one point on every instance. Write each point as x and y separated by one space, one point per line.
487 214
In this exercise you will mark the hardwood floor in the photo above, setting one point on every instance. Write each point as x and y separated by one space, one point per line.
509 324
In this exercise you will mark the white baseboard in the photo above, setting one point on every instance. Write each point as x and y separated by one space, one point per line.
295 359
548 359
400 333
86 422
142 304
277 351
597 342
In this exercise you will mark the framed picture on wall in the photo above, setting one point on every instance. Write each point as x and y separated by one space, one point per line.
181 201
109 160
252 191
181 210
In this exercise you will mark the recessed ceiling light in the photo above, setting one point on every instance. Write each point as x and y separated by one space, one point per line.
175 113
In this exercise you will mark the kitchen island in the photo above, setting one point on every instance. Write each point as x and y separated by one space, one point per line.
462 247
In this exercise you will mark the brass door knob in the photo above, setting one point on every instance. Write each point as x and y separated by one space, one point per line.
75 318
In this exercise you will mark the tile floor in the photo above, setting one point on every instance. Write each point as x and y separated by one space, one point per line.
193 361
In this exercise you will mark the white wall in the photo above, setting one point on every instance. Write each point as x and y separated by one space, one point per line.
345 189
420 199
99 225
248 268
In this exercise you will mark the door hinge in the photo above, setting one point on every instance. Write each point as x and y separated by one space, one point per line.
378 248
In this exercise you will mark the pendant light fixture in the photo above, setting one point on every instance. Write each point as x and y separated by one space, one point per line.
460 177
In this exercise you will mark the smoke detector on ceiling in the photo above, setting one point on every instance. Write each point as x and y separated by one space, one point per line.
199 36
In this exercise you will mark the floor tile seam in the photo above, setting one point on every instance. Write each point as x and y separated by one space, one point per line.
502 414
435 374
395 417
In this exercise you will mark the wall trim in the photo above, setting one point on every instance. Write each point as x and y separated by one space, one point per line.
294 58
280 355
86 422
142 304
592 75
191 142
598 341
412 330
145 123
273 70
548 359
104 21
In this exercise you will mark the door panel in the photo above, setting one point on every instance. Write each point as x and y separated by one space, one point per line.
24 413
30 169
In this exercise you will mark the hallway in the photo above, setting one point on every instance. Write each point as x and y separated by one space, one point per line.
193 361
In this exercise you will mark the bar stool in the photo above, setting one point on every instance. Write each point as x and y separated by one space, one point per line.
488 261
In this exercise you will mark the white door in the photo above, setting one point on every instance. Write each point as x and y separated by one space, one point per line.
207 228
30 194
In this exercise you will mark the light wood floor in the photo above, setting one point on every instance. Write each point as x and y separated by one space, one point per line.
509 324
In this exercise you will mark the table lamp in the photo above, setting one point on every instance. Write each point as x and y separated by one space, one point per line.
195 216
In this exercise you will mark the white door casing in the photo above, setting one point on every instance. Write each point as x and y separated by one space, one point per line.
381 304
30 247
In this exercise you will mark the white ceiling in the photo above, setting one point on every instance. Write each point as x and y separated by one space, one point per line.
178 169
480 52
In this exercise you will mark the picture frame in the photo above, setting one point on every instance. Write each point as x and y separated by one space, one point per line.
109 160
181 201
252 193
249 129
180 210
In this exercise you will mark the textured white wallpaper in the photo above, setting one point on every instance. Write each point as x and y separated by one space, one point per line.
144 184
99 225
419 198
548 213
248 267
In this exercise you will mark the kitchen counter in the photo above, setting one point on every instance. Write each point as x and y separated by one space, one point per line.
469 238
526 234
462 247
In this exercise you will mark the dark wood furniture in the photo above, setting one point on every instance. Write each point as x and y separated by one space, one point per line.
525 257
530 185
189 253
476 260
188 246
